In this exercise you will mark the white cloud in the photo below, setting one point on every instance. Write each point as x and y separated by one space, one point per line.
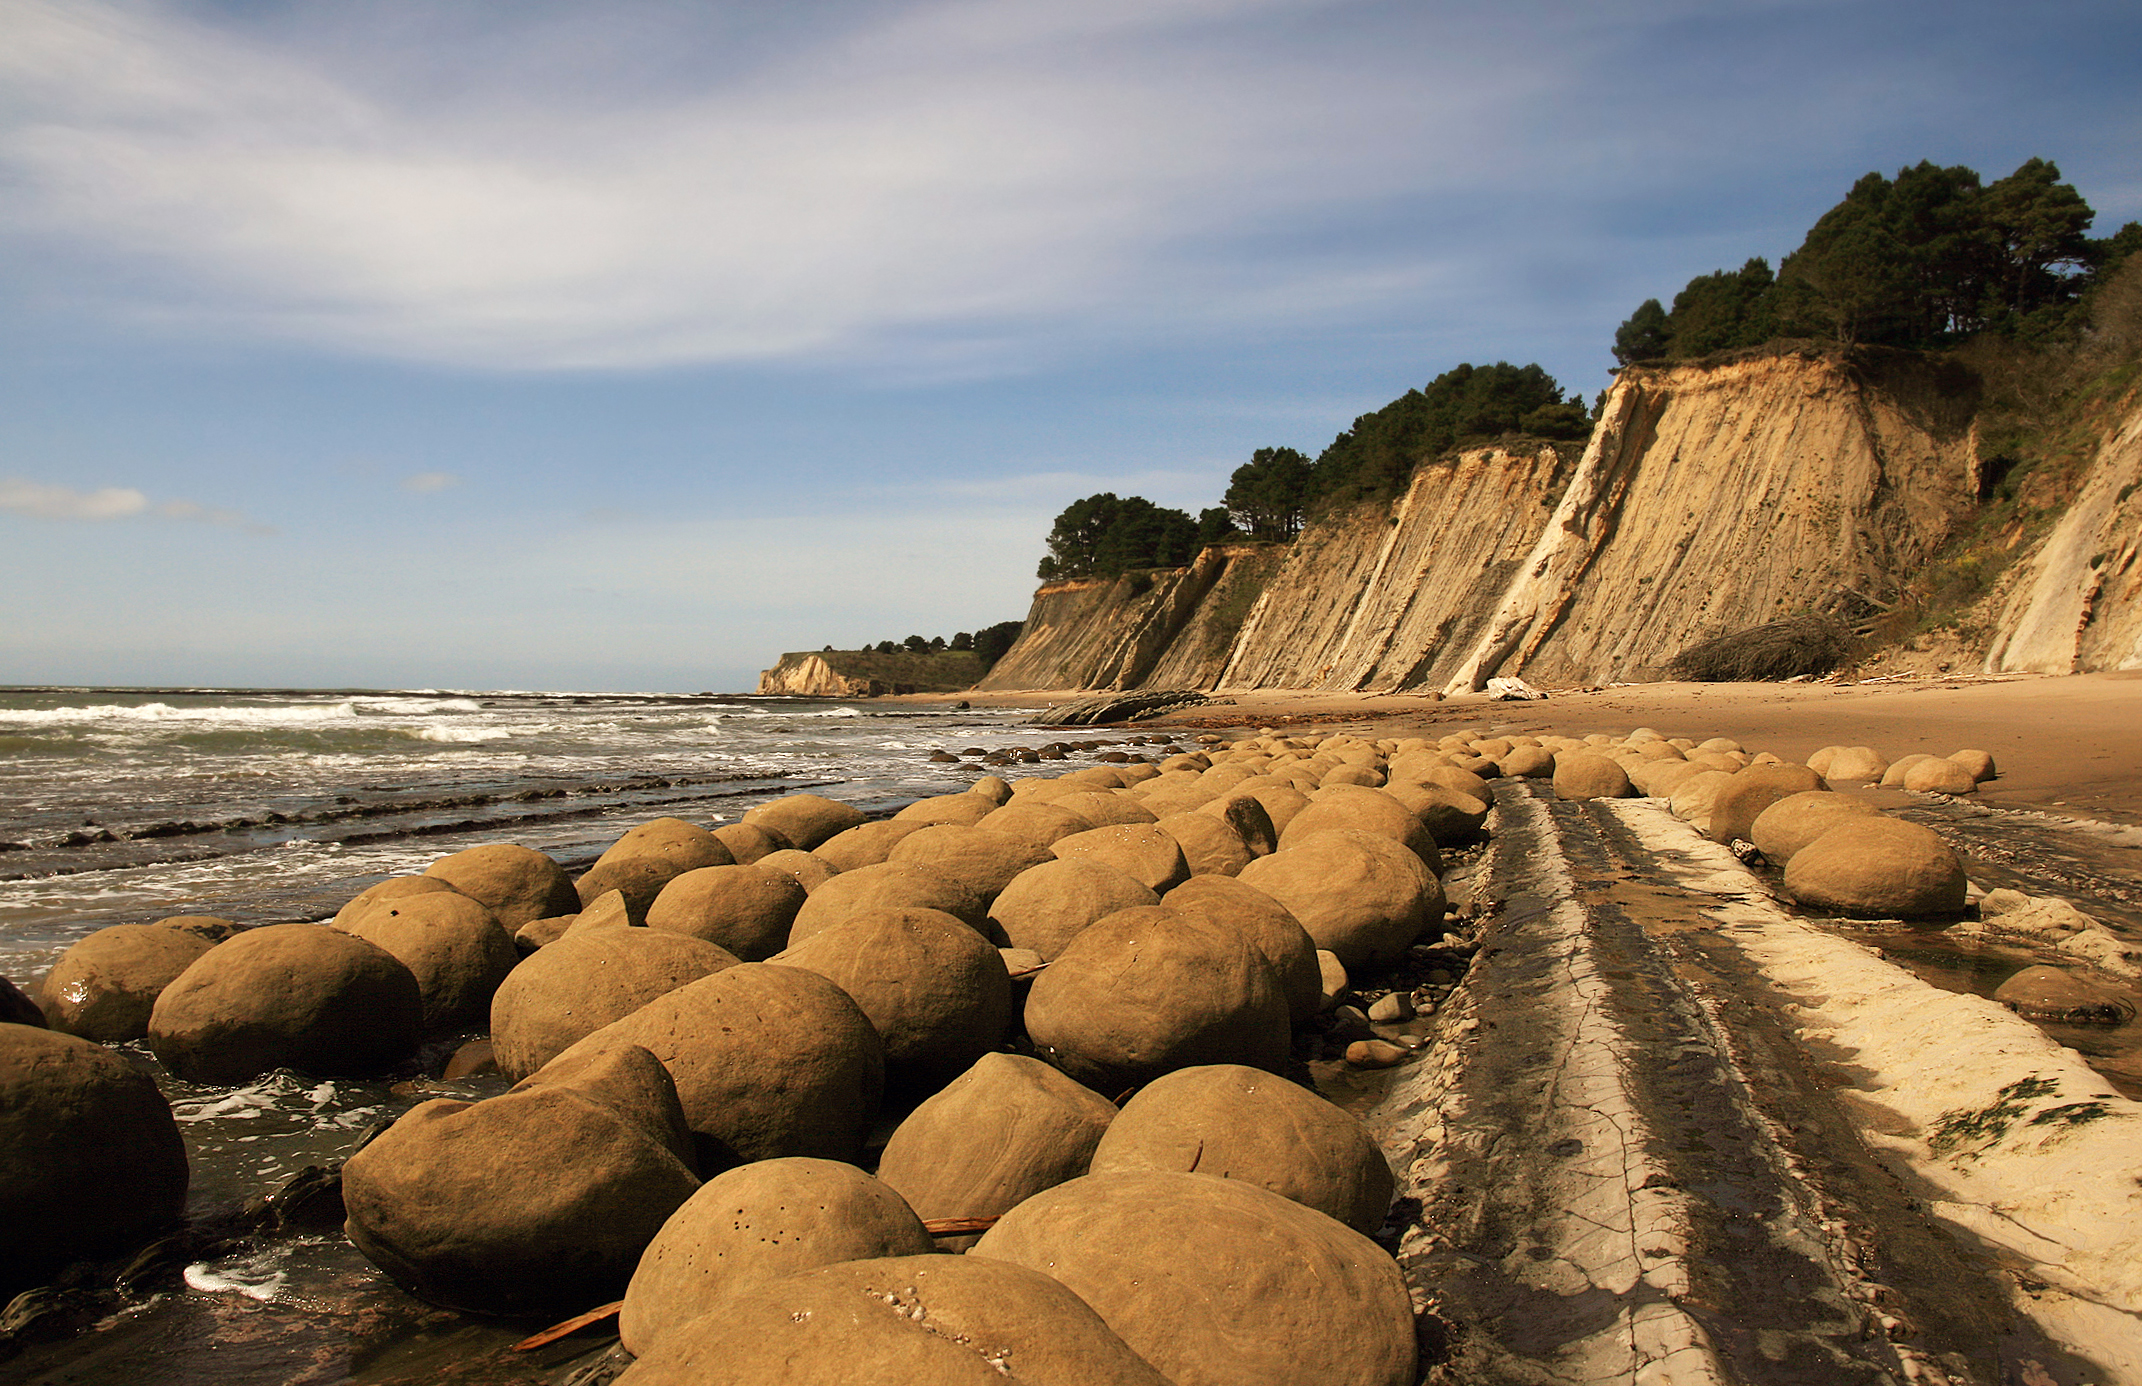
425 483
45 501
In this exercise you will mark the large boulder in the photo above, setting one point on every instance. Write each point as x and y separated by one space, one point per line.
16 1007
1940 775
768 1061
936 991
1589 775
453 945
517 884
747 843
1241 1123
890 885
865 844
300 996
745 910
1249 819
1045 906
1693 799
980 858
1217 1282
1878 868
1734 811
956 810
1359 894
1104 808
1357 808
1265 925
1036 823
993 1137
90 1158
104 987
1798 819
806 820
647 857
1210 846
1851 763
1149 990
759 1222
806 869
575 986
538 1201
1449 816
1139 850
900 1321
401 887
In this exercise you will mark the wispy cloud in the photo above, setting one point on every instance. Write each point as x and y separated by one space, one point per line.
425 483
47 501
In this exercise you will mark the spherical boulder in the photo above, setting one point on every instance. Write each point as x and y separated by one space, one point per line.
1036 823
300 996
747 843
899 1321
993 1137
768 1061
1218 1282
745 910
1149 990
1105 809
806 869
1858 763
1265 925
1358 808
980 858
1140 850
645 859
1878 868
454 946
1240 1123
1752 790
1893 777
865 844
1798 819
538 1201
1449 816
1693 799
1045 906
90 1158
1249 819
1939 775
397 888
1529 762
104 987
936 991
1588 775
806 820
889 885
947 810
1210 847
575 986
1979 763
517 884
756 1223
1359 894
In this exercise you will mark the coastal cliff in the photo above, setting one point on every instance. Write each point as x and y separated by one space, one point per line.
1710 498
869 673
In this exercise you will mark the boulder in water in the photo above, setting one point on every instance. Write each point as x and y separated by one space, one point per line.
575 986
104 987
517 884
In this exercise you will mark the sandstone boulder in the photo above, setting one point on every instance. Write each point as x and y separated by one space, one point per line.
756 1223
300 996
866 844
609 910
517 884
993 1137
1449 816
768 1061
1240 1123
890 885
1856 763
1588 775
16 1007
538 1201
1139 850
646 858
1798 819
980 858
1036 823
1939 775
452 944
805 820
1693 799
397 888
1217 1282
1106 809
1360 895
1249 819
902 1321
806 869
90 1158
1893 777
576 986
1210 847
1265 925
936 991
2054 993
104 987
942 810
1878 868
1045 906
745 910
1979 763
1358 808
1752 790
1149 990
748 843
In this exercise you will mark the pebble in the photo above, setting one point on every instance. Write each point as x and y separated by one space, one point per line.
1373 1054
1350 1023
1388 1010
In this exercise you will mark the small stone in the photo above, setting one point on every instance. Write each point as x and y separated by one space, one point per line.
1439 977
1333 979
1350 1023
1373 1054
1389 1010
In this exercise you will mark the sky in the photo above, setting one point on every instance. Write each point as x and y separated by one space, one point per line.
548 345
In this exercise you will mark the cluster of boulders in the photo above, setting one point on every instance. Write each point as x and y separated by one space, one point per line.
705 1025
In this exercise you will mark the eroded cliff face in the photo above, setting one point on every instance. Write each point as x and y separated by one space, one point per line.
2075 605
809 676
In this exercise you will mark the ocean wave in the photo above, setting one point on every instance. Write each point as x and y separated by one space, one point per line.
471 735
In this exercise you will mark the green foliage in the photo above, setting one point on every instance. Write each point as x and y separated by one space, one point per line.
990 642
1376 457
1723 310
1267 494
964 640
1644 336
1216 526
1106 536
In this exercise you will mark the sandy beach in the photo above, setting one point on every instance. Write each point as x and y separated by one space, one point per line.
2069 745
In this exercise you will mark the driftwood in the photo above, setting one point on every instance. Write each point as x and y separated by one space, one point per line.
1779 650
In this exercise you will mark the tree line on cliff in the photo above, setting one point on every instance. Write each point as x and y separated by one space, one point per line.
1930 259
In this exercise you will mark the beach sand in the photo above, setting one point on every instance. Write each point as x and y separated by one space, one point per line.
2068 745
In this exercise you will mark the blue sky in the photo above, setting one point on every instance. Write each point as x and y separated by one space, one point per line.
625 346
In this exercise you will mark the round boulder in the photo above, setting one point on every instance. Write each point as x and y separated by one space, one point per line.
865 844
1752 790
1878 868
398 888
1979 763
1045 906
517 884
983 859
768 1061
300 996
1149 990
571 988
806 869
1859 763
890 885
936 991
1353 807
1360 895
1265 925
1798 819
957 810
744 910
1139 850
993 1137
900 1321
1240 1123
1939 775
90 1158
538 1201
1217 1282
1588 775
751 842
452 944
1210 846
104 987
806 820
759 1222
645 859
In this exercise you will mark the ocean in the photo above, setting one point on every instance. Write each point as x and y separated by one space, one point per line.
266 805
